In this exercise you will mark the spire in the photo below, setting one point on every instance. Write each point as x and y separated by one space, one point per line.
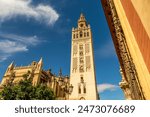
81 15
11 65
82 18
60 72
39 65
82 21
41 61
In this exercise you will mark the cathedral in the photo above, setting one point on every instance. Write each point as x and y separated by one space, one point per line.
59 84
81 85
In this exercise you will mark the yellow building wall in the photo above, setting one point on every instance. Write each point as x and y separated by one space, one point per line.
143 73
143 10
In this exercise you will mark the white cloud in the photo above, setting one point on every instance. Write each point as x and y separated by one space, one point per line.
13 8
103 87
7 46
33 40
11 44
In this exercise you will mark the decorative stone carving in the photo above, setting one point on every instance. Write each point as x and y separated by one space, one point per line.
125 86
81 53
132 88
81 69
81 60
81 47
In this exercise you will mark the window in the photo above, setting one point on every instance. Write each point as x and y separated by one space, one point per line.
81 60
87 33
81 47
81 34
79 89
82 98
74 36
81 69
84 89
82 80
77 36
81 53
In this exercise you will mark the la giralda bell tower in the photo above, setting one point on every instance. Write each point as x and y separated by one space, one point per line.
82 63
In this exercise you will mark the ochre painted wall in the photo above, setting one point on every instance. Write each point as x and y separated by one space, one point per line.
137 40
143 10
138 18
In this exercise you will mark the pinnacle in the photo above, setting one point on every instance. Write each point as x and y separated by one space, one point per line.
82 17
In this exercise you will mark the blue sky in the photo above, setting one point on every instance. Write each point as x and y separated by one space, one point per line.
31 29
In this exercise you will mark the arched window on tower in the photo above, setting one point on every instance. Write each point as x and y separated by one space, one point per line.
81 60
79 89
81 34
84 34
82 80
81 53
84 89
81 68
76 35
87 33
82 98
81 47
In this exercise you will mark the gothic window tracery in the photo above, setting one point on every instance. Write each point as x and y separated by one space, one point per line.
82 98
74 36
